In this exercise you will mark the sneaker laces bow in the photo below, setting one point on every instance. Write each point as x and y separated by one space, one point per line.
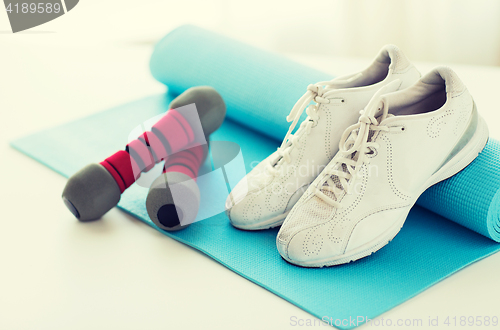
320 93
355 145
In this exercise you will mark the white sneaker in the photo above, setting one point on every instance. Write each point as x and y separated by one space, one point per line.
403 143
265 196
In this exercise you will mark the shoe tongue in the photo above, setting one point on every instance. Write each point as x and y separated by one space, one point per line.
378 105
378 108
336 179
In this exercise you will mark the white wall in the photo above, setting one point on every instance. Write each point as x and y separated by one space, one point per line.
460 31
428 30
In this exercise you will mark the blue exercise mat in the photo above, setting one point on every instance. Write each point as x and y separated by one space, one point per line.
459 224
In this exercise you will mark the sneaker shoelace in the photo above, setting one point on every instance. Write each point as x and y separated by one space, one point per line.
355 146
320 93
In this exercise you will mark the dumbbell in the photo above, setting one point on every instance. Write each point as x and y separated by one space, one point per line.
96 188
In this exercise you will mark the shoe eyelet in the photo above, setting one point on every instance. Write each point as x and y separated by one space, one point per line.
373 154
397 129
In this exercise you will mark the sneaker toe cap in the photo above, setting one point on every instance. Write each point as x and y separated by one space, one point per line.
249 212
307 246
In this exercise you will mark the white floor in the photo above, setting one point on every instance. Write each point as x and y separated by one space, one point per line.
117 273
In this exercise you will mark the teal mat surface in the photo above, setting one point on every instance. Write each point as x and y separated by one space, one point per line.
456 224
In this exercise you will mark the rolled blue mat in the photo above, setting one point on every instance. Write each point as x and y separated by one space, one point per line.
471 197
260 89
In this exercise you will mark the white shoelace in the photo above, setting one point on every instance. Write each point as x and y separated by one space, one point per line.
319 93
354 149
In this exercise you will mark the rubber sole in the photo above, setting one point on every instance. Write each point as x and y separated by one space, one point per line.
271 223
456 164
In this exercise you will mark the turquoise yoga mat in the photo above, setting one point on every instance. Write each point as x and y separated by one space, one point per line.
455 223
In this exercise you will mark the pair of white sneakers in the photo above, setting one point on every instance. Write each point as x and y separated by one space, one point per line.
342 185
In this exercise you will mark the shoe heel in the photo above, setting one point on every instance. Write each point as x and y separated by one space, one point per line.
465 156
